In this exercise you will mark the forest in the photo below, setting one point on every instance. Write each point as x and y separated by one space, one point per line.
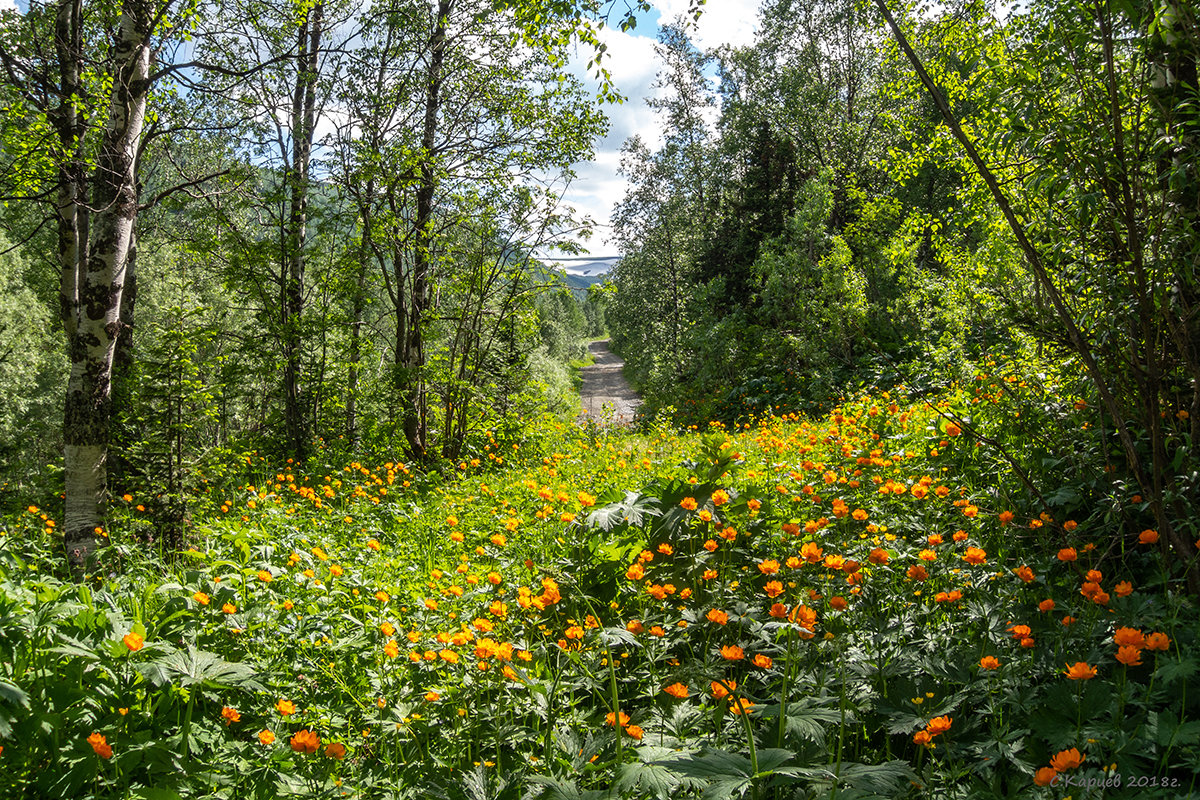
296 498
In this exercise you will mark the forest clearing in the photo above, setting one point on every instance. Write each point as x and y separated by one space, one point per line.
885 481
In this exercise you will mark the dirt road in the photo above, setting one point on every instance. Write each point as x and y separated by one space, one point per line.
603 384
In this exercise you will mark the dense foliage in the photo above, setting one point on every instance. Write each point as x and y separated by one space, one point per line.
911 509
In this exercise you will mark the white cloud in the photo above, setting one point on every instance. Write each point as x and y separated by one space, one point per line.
633 65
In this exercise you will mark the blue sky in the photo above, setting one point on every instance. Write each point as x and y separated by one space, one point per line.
633 65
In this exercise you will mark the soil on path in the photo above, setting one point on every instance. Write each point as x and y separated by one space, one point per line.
603 384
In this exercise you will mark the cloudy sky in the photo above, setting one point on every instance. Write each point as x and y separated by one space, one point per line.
632 62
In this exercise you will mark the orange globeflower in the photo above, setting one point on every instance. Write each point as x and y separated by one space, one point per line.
1045 776
688 503
285 707
100 745
763 662
975 556
635 572
1129 656
1024 573
1080 671
1129 637
201 598
1124 589
838 603
778 610
720 497
677 690
1067 554
938 725
305 741
1148 536
773 589
1046 605
769 567
266 737
989 662
230 715
229 608
1158 641
612 719
1006 517
922 738
719 691
811 552
927 555
731 652
878 556
740 706
917 572
634 731
133 641
1066 759
336 750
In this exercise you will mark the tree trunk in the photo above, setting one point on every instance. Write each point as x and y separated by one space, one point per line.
303 114
416 417
95 292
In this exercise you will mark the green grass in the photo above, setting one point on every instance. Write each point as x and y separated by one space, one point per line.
474 637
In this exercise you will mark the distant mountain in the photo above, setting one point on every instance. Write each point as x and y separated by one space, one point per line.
582 281
590 269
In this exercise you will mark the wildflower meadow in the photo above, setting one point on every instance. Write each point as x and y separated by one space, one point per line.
844 605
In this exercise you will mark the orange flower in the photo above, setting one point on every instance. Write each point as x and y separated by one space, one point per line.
731 652
960 536
927 555
1129 656
1067 554
811 552
719 691
769 567
917 572
133 641
740 706
676 690
1158 641
432 697
1129 637
971 511
834 562
989 662
763 662
1148 536
336 750
1045 776
1066 759
635 572
391 649
201 598
1046 605
265 576
878 556
230 715
229 608
922 738
938 725
266 737
859 514
305 741
773 589
635 626
1024 573
285 707
1020 631
688 503
778 610
100 745
611 719
1094 575
1124 589
803 616
975 556
838 603
1006 517
1080 671
634 731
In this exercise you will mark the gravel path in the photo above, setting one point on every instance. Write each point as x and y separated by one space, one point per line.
603 384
